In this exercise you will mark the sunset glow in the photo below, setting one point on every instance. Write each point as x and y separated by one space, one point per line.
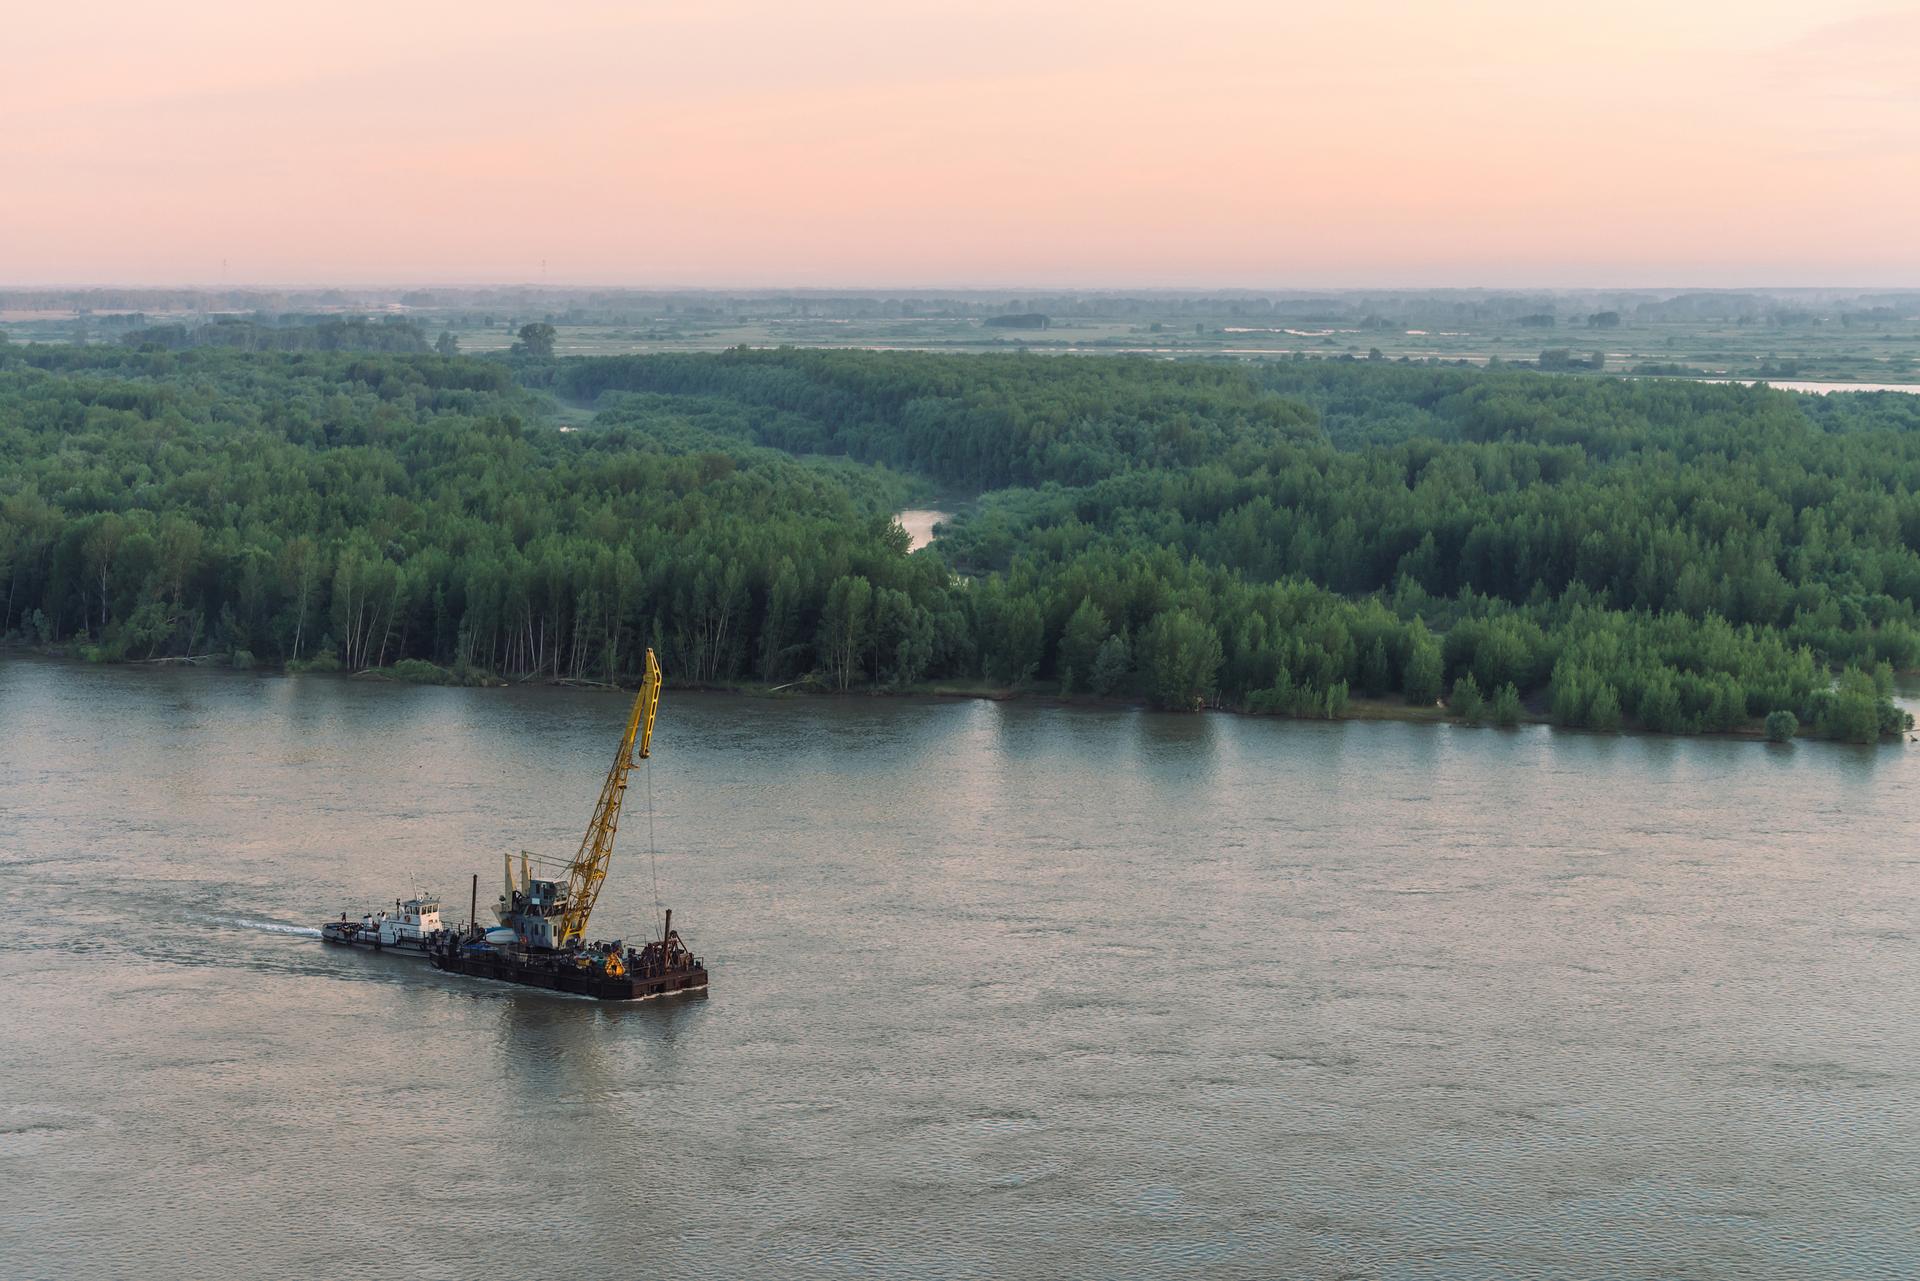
976 142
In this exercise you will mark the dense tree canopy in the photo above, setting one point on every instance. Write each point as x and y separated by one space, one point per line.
367 510
977 422
1677 556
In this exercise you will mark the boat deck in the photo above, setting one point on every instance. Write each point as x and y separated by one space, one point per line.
556 974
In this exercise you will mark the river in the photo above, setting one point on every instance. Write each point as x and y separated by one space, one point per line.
919 523
1814 388
1000 989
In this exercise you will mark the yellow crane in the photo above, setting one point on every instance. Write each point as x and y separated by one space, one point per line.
543 913
541 939
589 866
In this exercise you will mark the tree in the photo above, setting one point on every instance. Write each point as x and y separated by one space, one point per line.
179 542
1850 711
1110 665
447 344
902 638
1506 705
1782 725
781 622
1425 671
1604 712
300 575
845 625
1180 653
1333 703
1660 709
1376 671
536 340
102 545
1080 645
1694 592
1013 636
1571 694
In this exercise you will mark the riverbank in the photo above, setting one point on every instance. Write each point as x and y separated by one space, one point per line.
1357 707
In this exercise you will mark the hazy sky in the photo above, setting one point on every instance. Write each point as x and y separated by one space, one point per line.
975 142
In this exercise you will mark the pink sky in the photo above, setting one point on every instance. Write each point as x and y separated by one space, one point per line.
962 143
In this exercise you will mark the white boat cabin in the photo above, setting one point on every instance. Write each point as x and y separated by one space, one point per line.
410 921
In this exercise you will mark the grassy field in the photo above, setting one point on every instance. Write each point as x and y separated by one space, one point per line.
1781 336
1887 352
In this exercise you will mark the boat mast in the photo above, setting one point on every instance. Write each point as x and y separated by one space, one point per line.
589 866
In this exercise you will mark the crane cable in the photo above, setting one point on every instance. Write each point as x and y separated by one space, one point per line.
653 859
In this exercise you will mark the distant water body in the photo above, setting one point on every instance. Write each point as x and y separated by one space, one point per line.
1000 990
919 525
1815 388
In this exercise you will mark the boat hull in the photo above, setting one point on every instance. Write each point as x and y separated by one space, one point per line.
352 936
503 967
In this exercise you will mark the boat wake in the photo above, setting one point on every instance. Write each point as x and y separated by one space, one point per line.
271 927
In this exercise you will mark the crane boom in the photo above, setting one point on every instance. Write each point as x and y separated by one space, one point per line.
589 866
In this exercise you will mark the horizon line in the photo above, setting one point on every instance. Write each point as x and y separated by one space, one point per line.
1029 289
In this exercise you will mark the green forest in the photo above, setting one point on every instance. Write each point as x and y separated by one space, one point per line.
1286 537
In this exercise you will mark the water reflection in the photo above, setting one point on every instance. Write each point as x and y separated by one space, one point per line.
1000 989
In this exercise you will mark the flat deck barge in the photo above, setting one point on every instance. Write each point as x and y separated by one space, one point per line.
607 971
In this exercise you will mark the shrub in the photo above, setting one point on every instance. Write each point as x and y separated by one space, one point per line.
324 661
1466 701
421 672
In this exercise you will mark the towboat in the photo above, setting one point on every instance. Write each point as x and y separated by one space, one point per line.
409 927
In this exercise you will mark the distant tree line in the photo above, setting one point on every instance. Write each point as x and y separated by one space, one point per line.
394 334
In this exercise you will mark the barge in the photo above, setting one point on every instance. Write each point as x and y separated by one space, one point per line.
608 971
541 941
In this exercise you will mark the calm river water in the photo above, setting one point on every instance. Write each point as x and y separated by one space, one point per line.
999 990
